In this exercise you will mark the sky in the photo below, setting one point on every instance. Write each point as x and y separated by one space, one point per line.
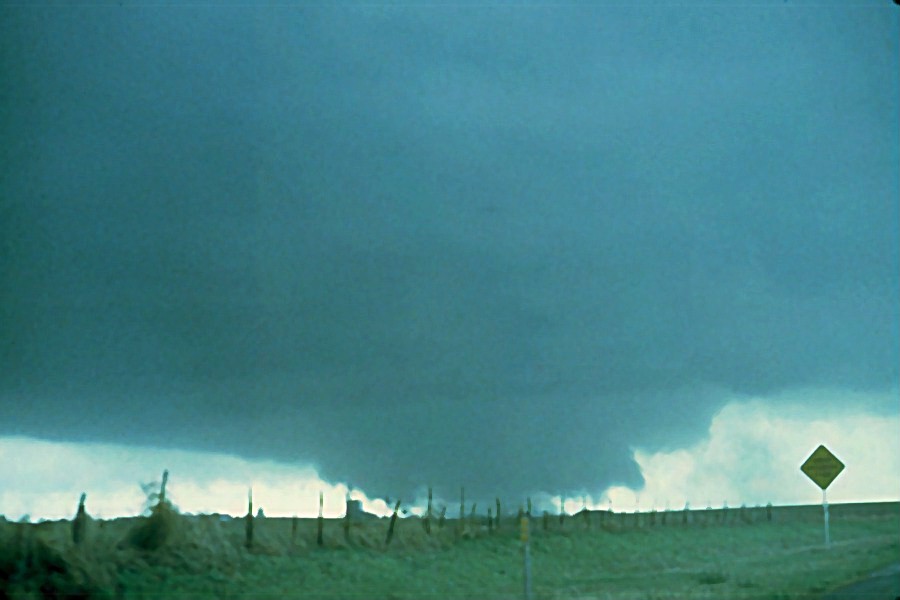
616 251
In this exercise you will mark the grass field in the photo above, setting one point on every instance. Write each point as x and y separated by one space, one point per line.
201 557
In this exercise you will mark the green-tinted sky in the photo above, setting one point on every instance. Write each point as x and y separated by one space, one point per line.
487 244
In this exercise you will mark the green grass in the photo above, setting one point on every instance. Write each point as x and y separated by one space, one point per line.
206 559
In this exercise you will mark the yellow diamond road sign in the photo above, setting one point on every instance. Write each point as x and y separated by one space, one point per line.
822 467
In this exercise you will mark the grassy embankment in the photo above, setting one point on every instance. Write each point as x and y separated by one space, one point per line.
172 556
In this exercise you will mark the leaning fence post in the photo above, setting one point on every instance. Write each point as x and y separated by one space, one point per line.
390 533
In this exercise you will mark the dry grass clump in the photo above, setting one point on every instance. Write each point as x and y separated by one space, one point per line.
163 524
155 531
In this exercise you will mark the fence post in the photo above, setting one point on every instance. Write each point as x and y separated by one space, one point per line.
390 533
320 540
79 524
462 509
248 526
562 509
497 517
162 487
347 518
428 513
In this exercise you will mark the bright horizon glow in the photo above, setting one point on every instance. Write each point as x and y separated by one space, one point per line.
47 485
751 456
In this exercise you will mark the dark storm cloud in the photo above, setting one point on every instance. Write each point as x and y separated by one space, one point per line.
488 246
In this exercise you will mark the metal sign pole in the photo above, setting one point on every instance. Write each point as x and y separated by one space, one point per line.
822 467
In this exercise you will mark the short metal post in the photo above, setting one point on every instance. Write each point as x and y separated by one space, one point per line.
825 510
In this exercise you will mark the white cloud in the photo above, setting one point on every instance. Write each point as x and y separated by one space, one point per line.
754 450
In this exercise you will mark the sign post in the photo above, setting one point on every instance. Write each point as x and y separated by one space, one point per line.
823 467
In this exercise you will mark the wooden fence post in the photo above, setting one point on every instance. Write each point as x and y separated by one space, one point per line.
321 521
79 524
462 509
162 488
390 533
248 525
497 516
347 519
562 510
428 514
